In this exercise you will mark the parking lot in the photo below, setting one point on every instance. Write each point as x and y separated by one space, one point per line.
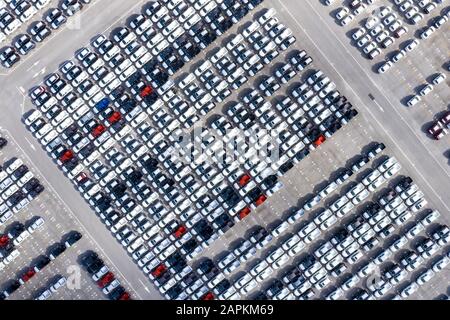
117 140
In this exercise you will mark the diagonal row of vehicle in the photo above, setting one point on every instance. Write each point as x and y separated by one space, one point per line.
18 187
415 10
379 30
17 233
104 278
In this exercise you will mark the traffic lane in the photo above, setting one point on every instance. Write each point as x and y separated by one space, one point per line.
409 147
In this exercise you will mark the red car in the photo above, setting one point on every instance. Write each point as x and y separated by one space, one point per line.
320 140
98 131
146 91
115 117
208 296
181 230
260 200
244 212
27 275
437 130
81 178
67 156
244 180
125 296
159 271
106 279
4 240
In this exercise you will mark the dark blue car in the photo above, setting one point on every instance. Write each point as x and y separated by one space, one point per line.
102 105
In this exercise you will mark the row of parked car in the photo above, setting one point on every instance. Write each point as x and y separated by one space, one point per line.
42 261
104 278
436 24
426 89
57 283
18 187
38 30
346 14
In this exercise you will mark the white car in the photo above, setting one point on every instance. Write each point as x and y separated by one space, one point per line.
385 67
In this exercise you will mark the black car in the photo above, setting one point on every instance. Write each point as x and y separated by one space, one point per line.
89 258
117 293
3 142
403 184
205 266
270 181
72 238
189 246
190 279
291 275
223 222
95 266
12 287
41 263
286 167
56 250
339 236
20 172
203 229
254 194
302 154
371 209
258 234
174 259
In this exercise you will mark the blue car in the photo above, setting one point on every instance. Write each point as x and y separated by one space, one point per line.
102 105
